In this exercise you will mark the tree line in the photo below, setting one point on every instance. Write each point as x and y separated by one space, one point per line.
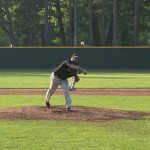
74 22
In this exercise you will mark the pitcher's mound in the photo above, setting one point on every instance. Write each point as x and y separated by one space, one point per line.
78 113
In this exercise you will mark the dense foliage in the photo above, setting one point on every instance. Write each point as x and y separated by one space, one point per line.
61 22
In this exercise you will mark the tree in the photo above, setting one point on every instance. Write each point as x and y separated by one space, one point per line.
71 23
109 37
91 22
95 20
10 25
103 22
136 23
51 22
60 22
115 22
47 33
75 22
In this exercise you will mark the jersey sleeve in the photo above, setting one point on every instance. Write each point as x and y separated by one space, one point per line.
69 61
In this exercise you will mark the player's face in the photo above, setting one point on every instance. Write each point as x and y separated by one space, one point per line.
76 59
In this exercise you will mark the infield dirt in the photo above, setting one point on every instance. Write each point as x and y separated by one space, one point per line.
78 113
101 92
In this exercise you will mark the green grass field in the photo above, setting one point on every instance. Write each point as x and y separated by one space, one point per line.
118 135
139 103
71 135
94 79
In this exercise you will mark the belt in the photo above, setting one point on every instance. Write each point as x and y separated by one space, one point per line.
55 74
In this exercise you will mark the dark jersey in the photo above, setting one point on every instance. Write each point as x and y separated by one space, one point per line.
64 72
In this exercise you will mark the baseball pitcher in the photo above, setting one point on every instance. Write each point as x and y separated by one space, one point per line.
59 76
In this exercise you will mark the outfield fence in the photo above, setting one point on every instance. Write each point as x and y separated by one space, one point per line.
91 57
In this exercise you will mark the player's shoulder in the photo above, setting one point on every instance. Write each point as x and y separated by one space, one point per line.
68 61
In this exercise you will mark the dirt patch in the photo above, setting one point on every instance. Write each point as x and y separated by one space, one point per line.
78 113
100 92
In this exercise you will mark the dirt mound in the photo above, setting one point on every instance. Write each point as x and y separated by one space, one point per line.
78 113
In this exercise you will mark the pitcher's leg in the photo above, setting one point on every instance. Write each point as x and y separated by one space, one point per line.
54 83
72 85
64 86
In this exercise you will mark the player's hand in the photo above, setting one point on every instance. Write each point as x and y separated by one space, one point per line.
84 72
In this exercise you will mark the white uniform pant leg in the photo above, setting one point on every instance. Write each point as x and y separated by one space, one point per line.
72 84
64 86
54 83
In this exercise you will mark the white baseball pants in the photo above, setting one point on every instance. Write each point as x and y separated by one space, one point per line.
54 83
72 84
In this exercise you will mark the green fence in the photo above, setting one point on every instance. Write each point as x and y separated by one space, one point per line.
91 58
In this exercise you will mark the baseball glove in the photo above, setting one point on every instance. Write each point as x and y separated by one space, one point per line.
77 78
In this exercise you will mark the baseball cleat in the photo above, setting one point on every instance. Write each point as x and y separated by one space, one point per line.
48 104
68 109
72 89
